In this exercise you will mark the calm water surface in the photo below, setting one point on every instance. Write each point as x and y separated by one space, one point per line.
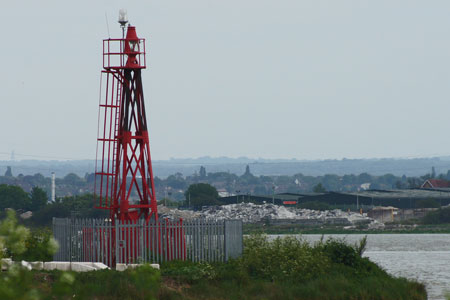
424 257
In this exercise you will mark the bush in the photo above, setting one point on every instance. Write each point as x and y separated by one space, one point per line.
188 271
282 259
289 268
439 216
40 246
427 203
12 236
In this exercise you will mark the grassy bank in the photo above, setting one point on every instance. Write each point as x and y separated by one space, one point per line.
390 229
280 269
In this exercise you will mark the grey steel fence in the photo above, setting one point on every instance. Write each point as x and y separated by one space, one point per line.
101 240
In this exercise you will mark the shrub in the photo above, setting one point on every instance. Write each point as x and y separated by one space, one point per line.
427 203
439 216
12 236
282 259
339 252
188 271
40 246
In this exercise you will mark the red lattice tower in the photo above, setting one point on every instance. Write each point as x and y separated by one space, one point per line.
124 177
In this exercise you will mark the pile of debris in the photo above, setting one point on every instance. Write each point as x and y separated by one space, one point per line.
253 213
174 213
275 214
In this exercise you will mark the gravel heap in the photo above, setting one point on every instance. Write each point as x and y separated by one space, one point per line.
253 213
174 213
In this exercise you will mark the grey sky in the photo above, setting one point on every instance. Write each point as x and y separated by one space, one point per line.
273 79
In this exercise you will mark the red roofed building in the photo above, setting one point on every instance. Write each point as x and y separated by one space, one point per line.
435 184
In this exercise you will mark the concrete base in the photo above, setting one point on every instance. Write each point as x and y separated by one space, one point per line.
37 265
74 266
123 267
7 263
57 265
26 265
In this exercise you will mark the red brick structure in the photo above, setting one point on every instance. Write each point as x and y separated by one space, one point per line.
435 183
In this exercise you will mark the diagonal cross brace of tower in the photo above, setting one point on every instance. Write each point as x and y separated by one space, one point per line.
124 177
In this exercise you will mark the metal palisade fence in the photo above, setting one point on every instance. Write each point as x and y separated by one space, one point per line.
101 240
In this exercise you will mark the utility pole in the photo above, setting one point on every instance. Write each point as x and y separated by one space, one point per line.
165 196
53 188
273 194
357 201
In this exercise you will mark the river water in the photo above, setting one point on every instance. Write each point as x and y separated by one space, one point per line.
424 257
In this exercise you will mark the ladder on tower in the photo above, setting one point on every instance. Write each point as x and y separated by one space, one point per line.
116 129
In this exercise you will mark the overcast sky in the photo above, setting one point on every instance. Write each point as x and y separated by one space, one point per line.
272 79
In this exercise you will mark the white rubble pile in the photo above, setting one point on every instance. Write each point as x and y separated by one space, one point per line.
252 213
173 213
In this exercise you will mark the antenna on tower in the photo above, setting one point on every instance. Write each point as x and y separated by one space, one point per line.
107 24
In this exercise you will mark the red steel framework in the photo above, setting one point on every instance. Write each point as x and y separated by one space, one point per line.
124 177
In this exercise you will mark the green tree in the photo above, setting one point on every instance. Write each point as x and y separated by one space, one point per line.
43 217
73 179
40 246
331 182
319 188
201 194
38 198
12 236
176 181
13 197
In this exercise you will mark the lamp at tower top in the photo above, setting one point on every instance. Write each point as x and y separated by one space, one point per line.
123 17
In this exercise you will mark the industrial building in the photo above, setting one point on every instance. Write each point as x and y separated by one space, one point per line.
405 198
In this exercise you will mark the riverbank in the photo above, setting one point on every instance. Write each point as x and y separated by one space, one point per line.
389 229
284 268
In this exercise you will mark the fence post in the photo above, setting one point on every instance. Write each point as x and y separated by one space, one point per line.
225 241
116 242
68 241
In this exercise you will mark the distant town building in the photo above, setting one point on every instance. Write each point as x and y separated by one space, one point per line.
435 184
365 186
401 198
223 193
383 214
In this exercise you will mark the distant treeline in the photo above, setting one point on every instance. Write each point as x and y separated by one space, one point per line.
267 167
174 186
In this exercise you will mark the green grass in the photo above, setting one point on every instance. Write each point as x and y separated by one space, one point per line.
290 269
284 268
296 229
